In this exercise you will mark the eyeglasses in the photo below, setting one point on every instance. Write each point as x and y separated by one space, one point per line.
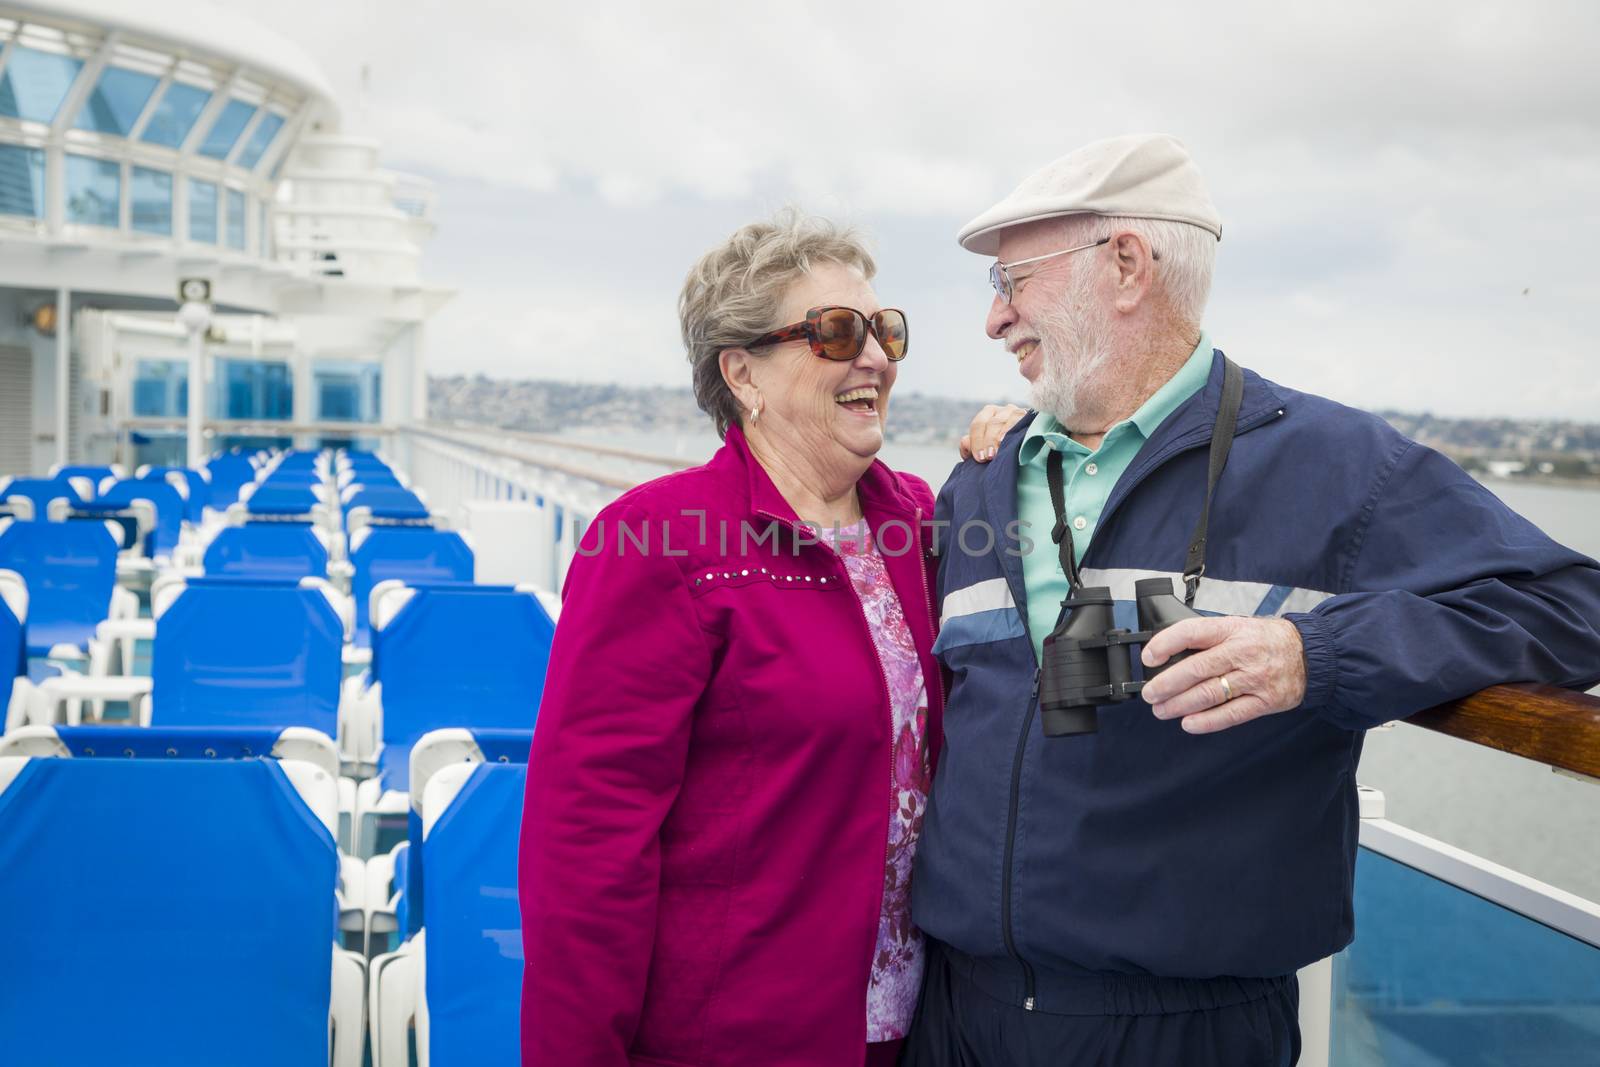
1000 274
840 333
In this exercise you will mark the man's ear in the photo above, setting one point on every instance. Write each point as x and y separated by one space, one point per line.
1135 266
736 365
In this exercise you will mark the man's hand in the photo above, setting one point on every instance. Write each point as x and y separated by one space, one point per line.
982 439
1262 659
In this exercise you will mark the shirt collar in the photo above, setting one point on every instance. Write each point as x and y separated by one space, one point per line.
1046 431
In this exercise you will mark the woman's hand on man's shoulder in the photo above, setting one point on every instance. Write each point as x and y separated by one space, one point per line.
982 439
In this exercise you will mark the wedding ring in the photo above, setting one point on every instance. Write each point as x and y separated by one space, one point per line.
1227 690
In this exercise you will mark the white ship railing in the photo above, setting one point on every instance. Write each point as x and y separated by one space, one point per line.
563 483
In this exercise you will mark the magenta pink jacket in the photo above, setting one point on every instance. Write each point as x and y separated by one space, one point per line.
708 797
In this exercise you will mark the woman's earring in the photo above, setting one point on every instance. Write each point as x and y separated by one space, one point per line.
755 412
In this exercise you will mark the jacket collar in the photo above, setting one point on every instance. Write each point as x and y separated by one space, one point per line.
1198 414
1187 427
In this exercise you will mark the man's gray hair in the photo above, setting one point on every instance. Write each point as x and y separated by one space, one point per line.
1188 255
732 295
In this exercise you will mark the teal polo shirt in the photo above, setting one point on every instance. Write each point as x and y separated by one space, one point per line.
1089 478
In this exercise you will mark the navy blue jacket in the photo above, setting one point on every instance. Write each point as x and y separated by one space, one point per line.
1143 849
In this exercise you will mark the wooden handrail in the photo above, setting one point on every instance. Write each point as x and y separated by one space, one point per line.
1539 722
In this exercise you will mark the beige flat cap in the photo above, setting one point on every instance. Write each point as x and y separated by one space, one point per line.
1141 175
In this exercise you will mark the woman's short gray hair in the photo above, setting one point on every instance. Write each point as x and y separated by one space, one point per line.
733 294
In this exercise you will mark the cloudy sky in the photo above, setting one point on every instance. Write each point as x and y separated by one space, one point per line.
1410 192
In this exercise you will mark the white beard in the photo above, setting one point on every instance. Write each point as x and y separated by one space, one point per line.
1074 344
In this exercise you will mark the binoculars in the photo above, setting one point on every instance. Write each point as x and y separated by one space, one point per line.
1088 661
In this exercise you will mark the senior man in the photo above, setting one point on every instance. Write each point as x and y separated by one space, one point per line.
1144 894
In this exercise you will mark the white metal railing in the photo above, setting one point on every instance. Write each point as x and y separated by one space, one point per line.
1565 912
456 473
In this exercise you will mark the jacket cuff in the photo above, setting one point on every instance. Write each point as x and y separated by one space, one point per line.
1322 658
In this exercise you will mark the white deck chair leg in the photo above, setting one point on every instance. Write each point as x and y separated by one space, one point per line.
17 708
346 1021
393 1000
419 953
347 814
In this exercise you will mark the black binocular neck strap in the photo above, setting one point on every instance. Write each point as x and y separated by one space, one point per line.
1221 441
1061 535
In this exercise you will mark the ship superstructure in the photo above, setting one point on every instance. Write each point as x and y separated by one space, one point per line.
145 145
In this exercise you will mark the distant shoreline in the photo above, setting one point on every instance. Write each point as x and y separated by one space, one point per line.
1549 480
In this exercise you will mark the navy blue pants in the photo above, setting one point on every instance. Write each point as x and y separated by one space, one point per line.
970 1015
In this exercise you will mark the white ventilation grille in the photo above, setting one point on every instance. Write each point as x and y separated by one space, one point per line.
75 450
16 411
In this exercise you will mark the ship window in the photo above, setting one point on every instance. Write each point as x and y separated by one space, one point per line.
34 83
348 391
202 211
252 389
161 388
117 102
94 191
150 192
225 131
236 206
21 181
174 117
261 140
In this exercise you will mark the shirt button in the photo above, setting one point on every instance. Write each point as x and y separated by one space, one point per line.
1090 468
1079 523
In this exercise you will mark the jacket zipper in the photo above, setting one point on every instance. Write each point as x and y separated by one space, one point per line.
1011 844
1028 984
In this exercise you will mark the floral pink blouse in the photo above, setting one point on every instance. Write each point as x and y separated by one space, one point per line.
897 963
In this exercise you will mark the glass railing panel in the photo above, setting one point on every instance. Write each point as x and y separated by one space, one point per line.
1439 976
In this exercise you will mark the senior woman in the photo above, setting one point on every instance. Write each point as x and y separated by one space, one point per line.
741 713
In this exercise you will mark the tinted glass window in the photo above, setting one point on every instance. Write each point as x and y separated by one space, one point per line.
261 140
202 211
225 131
150 192
94 191
174 117
21 181
117 101
34 83
236 209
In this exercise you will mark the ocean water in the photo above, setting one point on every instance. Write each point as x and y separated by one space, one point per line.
1509 810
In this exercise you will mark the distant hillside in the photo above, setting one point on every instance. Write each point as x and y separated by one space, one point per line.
549 406
1504 447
